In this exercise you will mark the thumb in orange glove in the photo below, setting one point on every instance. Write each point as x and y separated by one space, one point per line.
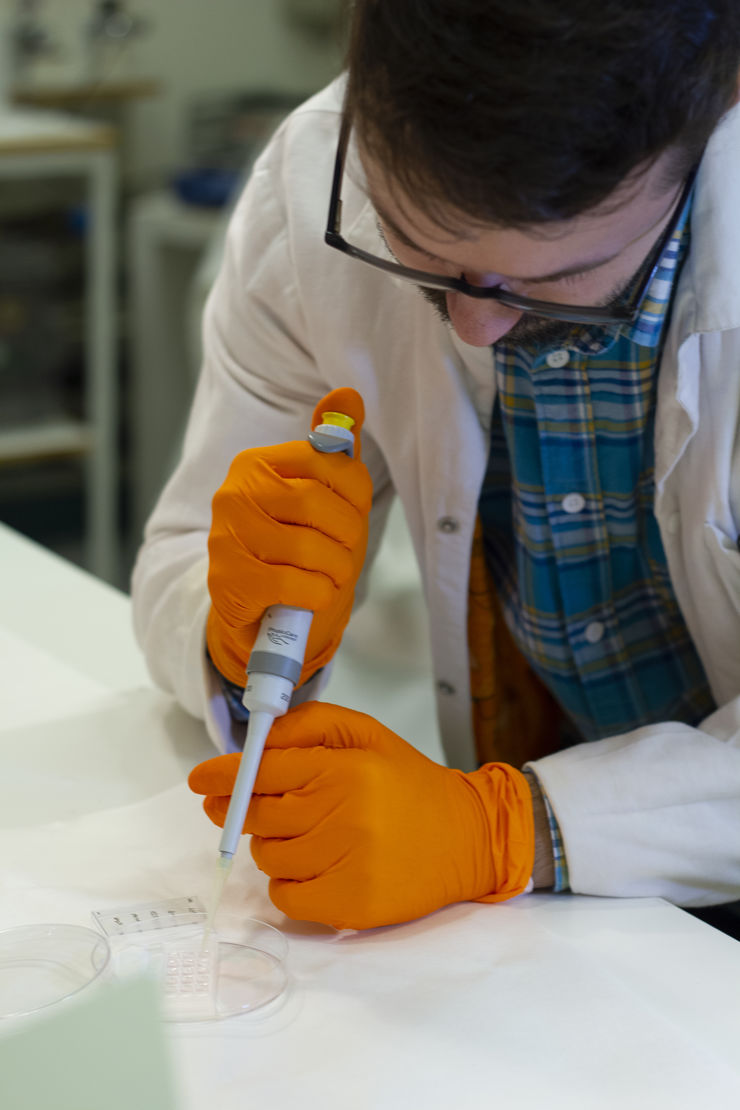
289 526
358 829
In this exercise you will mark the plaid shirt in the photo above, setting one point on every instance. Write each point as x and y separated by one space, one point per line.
570 536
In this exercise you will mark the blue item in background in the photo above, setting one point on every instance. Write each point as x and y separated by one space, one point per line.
207 188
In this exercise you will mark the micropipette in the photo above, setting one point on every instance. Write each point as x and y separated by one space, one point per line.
273 670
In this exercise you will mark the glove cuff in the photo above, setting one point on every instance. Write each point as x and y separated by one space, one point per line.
505 794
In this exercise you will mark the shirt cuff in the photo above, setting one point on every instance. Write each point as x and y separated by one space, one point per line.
562 878
233 694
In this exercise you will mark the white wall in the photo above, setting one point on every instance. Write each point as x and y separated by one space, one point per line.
194 46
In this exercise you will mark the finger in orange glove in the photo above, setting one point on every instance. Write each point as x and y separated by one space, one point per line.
289 526
357 829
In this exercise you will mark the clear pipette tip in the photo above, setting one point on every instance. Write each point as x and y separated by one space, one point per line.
223 870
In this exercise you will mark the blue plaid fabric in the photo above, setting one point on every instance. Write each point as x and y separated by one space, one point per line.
562 879
570 536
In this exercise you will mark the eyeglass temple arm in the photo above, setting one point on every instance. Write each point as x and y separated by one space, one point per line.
335 203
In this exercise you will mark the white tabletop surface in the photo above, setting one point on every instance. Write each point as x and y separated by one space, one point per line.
546 1001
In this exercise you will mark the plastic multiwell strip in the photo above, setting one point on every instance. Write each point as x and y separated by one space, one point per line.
188 978
150 916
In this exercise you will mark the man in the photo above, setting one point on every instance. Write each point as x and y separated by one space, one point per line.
537 297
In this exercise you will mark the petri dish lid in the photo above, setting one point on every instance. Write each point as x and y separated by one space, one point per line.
206 978
41 965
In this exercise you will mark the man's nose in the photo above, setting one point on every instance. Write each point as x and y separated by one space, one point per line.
480 322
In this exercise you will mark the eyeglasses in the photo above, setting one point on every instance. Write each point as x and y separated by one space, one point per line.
625 313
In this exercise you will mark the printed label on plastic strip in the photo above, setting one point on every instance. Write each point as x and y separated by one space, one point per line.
149 916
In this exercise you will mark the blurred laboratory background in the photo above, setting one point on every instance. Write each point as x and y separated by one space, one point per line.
127 128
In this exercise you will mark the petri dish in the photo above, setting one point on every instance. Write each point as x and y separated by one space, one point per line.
41 965
206 978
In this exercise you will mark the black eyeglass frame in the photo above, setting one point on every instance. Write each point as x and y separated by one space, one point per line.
576 314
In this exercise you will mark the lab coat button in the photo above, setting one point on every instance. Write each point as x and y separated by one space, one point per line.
445 687
594 632
447 524
556 360
674 523
574 502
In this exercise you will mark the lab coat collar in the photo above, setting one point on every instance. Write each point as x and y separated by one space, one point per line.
708 297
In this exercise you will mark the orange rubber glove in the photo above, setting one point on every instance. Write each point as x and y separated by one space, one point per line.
289 527
357 829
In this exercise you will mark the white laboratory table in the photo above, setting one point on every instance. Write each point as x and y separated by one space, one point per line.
547 1001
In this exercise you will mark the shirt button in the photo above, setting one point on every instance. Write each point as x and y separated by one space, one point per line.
594 632
447 524
557 359
445 687
573 503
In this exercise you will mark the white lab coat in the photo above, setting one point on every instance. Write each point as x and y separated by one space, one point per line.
651 812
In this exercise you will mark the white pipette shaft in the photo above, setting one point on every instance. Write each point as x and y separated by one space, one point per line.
259 726
273 671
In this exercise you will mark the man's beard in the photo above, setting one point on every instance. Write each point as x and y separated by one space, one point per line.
532 330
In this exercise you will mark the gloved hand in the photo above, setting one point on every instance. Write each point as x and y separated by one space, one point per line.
357 829
289 527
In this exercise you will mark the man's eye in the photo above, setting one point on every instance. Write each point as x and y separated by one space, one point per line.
571 279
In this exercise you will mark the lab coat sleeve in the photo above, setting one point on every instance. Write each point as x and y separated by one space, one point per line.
258 385
653 812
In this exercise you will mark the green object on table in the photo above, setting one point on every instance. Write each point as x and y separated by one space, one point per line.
104 1051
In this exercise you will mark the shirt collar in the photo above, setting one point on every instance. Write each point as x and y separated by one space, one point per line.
647 328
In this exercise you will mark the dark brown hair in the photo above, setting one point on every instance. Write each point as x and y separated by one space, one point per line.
518 112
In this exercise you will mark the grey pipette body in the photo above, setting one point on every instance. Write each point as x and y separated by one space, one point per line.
273 671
